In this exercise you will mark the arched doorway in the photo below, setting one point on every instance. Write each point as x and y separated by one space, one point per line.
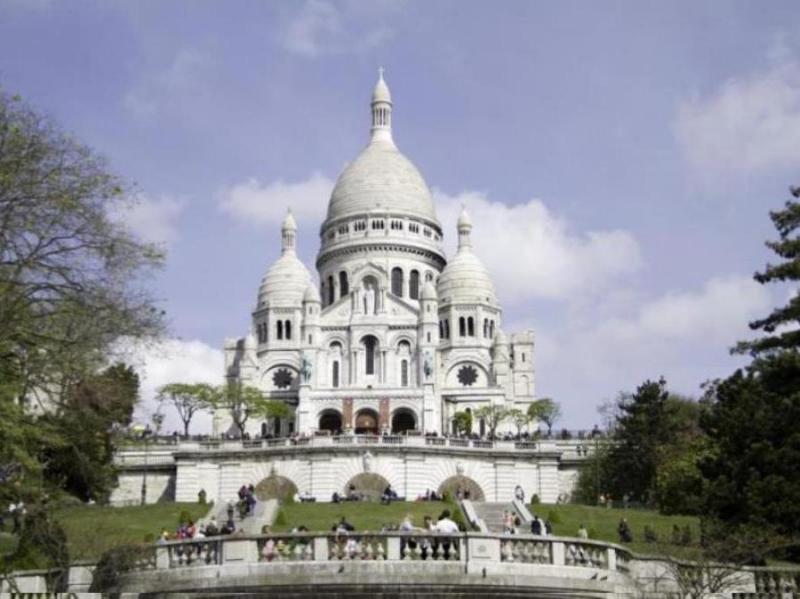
367 484
468 487
330 420
403 420
367 422
275 487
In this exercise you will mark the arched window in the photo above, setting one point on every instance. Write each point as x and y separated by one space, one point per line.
369 347
279 333
287 329
344 288
404 373
491 329
441 330
462 327
446 328
470 327
397 281
335 374
331 290
485 327
413 285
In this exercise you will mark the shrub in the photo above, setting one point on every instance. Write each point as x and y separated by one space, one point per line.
686 536
116 562
534 499
650 535
280 519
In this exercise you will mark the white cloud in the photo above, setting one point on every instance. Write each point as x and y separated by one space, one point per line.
683 335
750 125
321 27
154 219
177 83
265 203
532 253
172 361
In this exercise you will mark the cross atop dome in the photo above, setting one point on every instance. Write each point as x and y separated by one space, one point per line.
381 110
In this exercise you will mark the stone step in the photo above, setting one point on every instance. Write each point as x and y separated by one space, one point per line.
492 513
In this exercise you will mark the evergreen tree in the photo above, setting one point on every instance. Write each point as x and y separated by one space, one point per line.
753 468
781 326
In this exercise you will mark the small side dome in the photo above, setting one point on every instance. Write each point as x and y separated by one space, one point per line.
312 295
500 338
428 291
285 283
466 280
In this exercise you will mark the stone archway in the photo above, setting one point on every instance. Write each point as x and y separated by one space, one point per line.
366 422
330 420
275 487
368 484
465 483
403 420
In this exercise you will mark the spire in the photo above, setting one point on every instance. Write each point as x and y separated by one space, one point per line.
381 110
464 230
288 230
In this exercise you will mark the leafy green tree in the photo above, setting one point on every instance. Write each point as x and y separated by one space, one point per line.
72 282
492 415
463 422
187 399
519 418
545 410
243 402
77 446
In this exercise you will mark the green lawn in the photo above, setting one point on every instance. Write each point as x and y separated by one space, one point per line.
92 529
362 515
602 525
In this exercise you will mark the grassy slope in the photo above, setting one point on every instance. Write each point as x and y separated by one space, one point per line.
91 530
602 524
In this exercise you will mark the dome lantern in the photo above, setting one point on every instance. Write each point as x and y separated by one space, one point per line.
288 232
381 111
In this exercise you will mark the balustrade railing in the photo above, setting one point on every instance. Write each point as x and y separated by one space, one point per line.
135 456
390 546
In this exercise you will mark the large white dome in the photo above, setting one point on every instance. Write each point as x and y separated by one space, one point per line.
381 177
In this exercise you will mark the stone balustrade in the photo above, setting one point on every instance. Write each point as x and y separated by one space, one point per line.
381 546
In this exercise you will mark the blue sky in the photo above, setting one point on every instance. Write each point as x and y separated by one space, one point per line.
619 158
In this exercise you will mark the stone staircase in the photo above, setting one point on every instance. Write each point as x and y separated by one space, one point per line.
492 513
263 513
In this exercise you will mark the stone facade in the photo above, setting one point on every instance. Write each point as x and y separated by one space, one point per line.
394 337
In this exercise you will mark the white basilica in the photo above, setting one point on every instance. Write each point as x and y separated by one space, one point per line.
395 337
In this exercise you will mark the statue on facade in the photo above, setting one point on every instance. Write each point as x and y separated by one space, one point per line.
366 460
427 365
306 369
369 300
